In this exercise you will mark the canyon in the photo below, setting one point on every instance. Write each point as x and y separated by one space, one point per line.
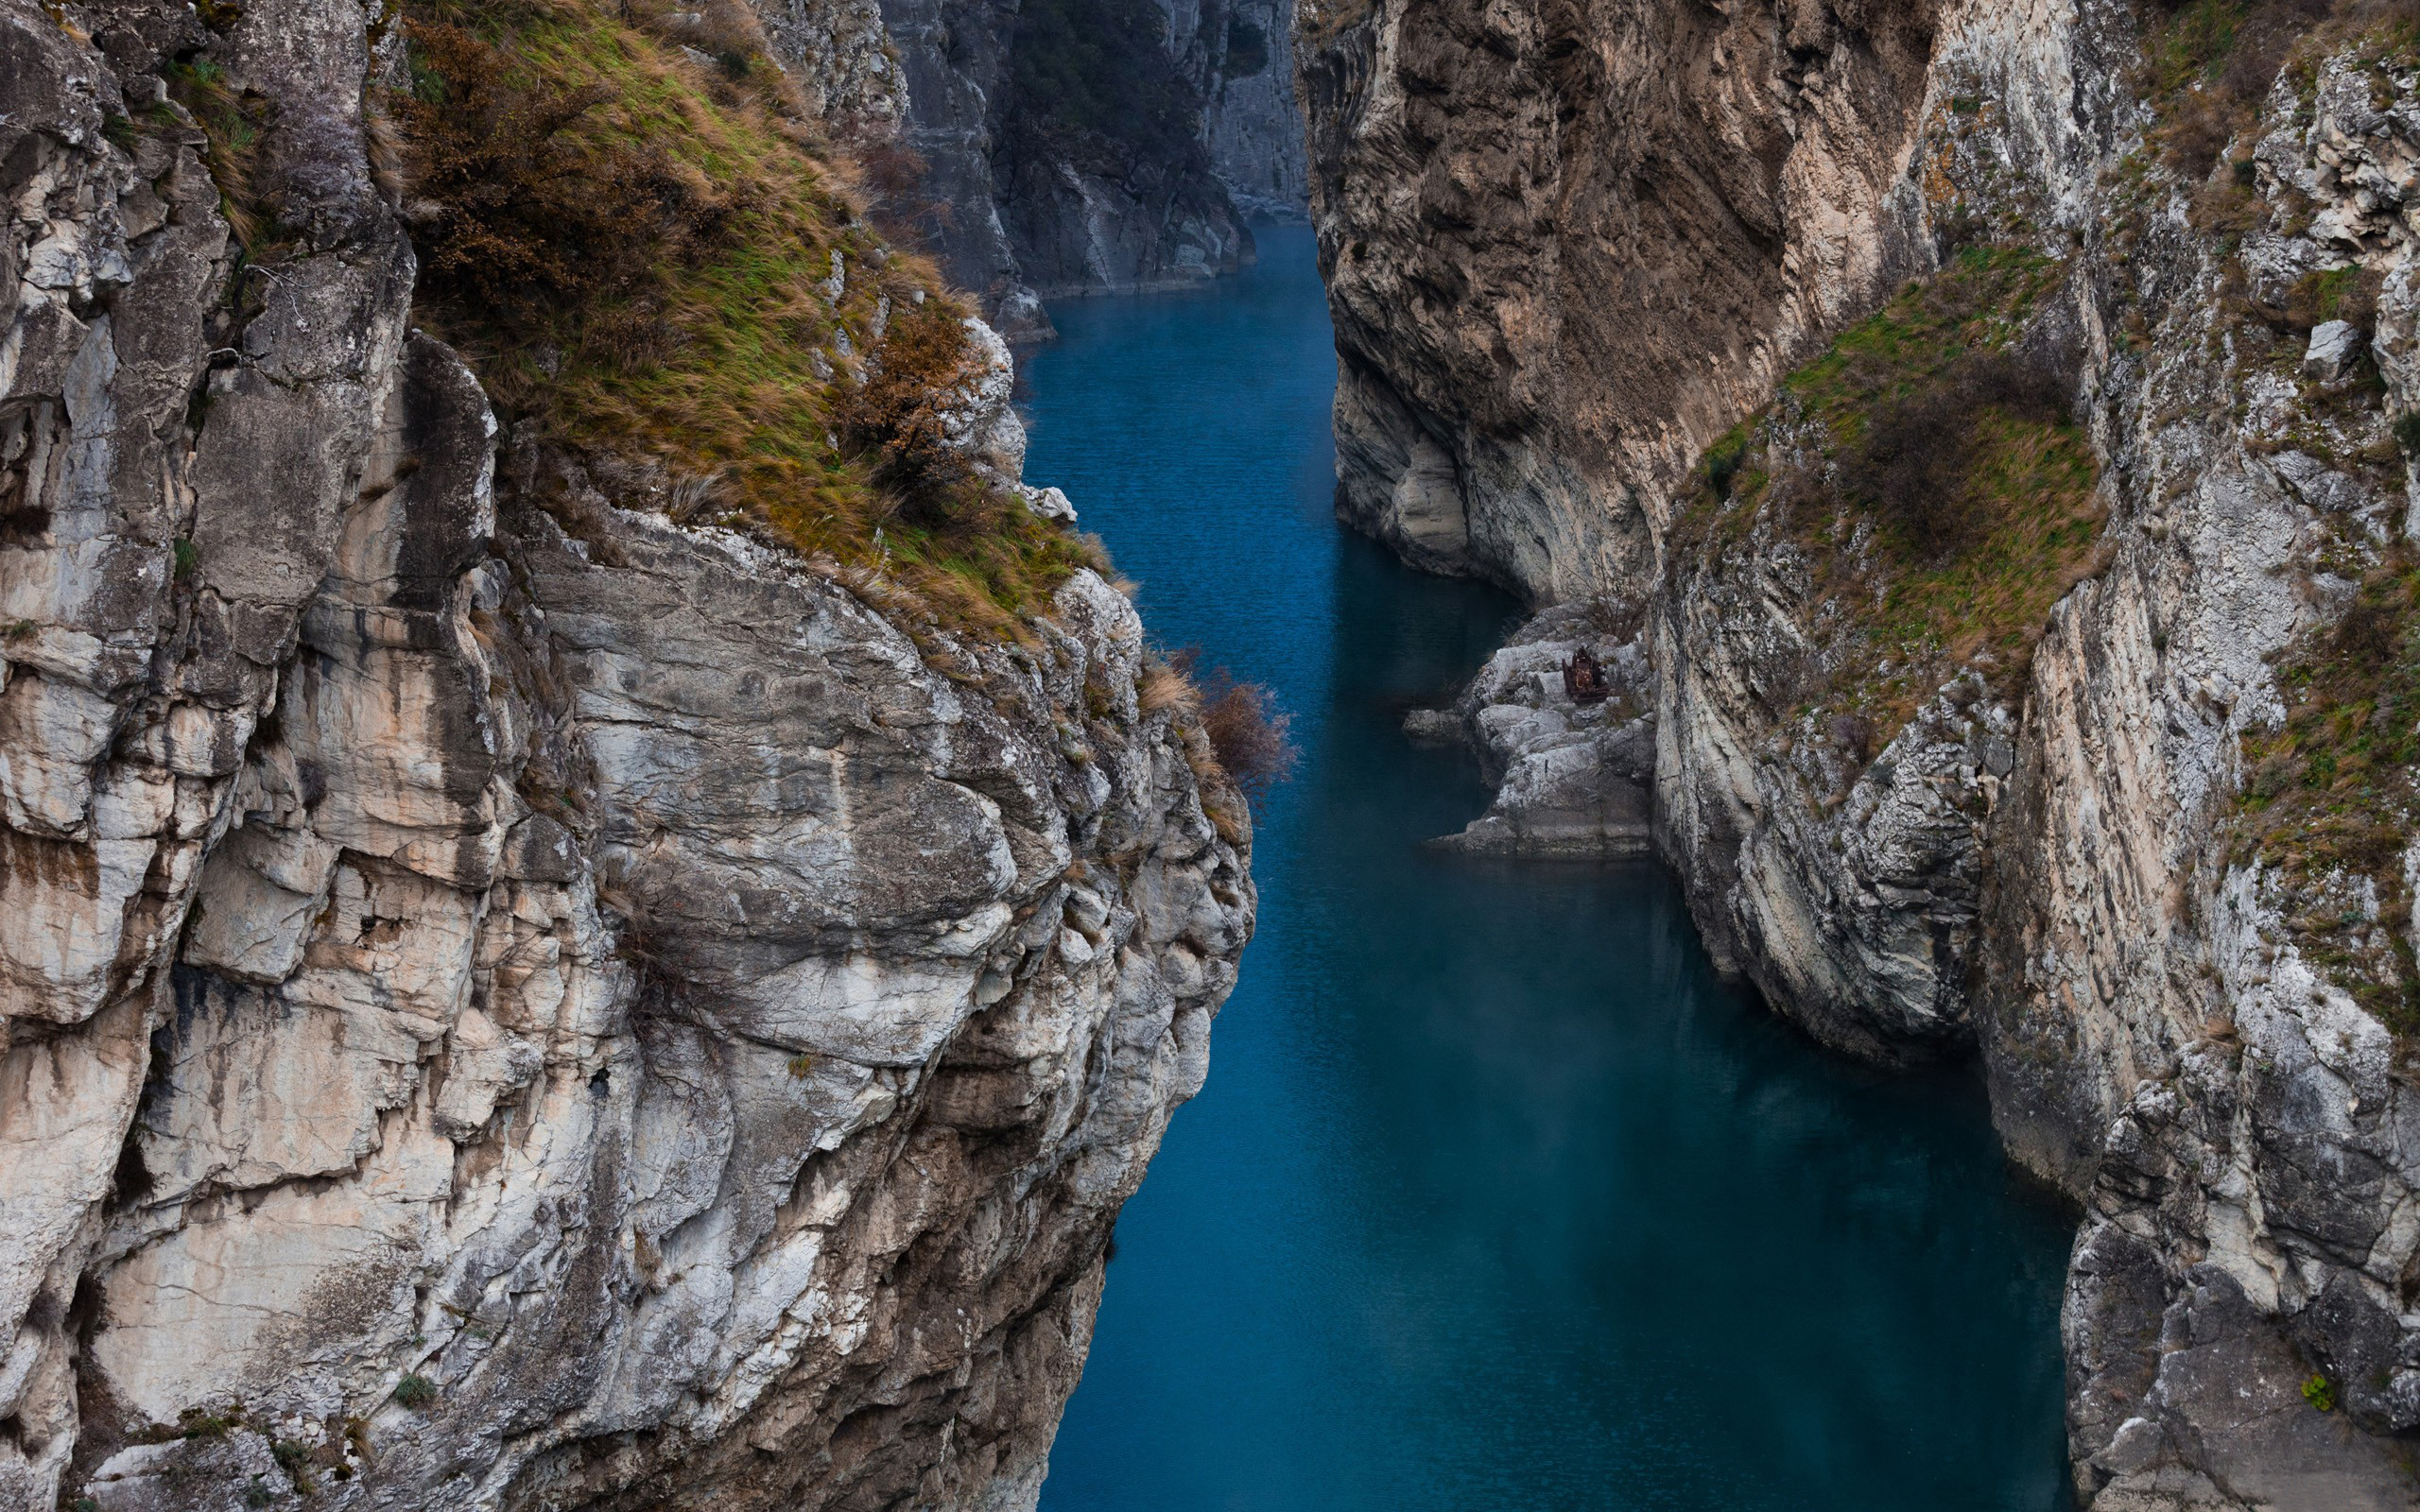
1974 438
596 918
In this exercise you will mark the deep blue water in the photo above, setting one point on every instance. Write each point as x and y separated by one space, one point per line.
1497 1198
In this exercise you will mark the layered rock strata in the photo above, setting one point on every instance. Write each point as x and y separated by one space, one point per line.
1566 247
2087 861
507 1001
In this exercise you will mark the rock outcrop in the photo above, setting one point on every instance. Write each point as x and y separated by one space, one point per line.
1571 752
2131 820
505 1000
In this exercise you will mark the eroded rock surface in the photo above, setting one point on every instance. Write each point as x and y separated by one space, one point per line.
1571 762
507 1001
1567 247
1040 174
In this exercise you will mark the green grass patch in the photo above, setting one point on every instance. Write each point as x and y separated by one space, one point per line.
2330 795
635 248
1938 488
1978 303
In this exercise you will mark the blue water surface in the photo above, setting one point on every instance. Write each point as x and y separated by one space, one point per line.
1497 1198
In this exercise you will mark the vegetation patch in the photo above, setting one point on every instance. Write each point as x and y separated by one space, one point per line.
1238 739
1933 483
657 260
2332 793
2208 65
1247 49
232 123
1101 69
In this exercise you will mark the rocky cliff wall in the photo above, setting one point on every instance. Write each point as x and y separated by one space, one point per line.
1567 247
1240 60
1077 147
507 1001
2088 750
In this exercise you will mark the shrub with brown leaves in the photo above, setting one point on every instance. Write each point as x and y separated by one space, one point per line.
1247 730
900 416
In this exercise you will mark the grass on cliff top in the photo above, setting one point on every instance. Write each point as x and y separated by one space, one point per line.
1941 493
636 249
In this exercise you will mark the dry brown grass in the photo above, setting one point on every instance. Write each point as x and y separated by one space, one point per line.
1167 688
634 247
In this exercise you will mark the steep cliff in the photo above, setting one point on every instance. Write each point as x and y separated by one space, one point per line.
1240 60
529 977
1568 247
1072 146
1994 422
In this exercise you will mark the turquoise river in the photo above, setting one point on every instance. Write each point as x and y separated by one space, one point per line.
1497 1199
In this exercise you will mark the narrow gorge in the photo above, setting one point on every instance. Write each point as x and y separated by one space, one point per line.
651 652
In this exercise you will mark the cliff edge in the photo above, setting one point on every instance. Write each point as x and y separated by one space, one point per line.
550 958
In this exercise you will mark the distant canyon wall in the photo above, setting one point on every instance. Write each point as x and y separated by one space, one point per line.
1069 146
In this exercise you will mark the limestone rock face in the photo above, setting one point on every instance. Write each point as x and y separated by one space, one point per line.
1241 60
506 1001
843 58
1548 311
1572 767
1568 246
1028 195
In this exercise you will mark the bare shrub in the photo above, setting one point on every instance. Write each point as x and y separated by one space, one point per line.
1915 463
1251 736
1854 735
898 189
1247 730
